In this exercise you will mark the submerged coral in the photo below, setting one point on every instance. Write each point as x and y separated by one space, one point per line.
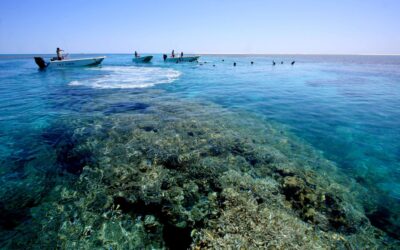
183 175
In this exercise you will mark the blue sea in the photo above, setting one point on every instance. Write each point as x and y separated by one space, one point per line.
343 109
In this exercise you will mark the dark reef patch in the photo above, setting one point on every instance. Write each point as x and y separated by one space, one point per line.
122 107
70 157
138 207
172 162
13 216
54 135
382 218
174 237
311 202
149 129
25 179
177 238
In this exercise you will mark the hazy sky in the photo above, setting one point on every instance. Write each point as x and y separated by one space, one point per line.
201 26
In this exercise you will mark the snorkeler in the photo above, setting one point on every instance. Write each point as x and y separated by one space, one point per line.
273 63
293 62
234 64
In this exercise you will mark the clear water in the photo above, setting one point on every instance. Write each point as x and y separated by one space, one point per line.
345 106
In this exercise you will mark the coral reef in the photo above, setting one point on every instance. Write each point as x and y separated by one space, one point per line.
181 175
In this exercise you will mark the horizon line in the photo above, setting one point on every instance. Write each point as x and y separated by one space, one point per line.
238 54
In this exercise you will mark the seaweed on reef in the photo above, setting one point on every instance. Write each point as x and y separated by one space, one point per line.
188 176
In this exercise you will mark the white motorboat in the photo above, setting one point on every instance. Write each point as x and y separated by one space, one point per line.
182 59
144 59
79 62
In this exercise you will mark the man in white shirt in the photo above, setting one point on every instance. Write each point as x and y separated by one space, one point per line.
59 54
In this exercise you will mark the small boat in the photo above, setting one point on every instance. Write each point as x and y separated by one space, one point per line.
182 59
79 62
142 59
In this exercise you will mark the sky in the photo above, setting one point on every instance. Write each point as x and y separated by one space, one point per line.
201 26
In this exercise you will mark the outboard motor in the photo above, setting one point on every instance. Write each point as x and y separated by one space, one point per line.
40 62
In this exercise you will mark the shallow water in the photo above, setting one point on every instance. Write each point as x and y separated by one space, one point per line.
346 107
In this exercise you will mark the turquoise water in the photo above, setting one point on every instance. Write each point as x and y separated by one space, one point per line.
345 107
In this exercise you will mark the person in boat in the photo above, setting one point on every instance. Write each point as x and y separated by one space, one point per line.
136 54
165 57
181 54
59 54
173 54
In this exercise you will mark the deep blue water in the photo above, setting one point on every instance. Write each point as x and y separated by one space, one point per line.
345 106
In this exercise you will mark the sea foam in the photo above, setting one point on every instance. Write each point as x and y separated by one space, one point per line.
129 77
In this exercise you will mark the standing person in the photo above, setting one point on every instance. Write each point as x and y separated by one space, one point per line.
136 54
59 54
173 54
165 57
181 54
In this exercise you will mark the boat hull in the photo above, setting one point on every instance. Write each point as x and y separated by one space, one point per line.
144 59
81 62
76 62
182 59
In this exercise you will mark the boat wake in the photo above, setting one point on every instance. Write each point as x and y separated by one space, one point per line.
129 77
